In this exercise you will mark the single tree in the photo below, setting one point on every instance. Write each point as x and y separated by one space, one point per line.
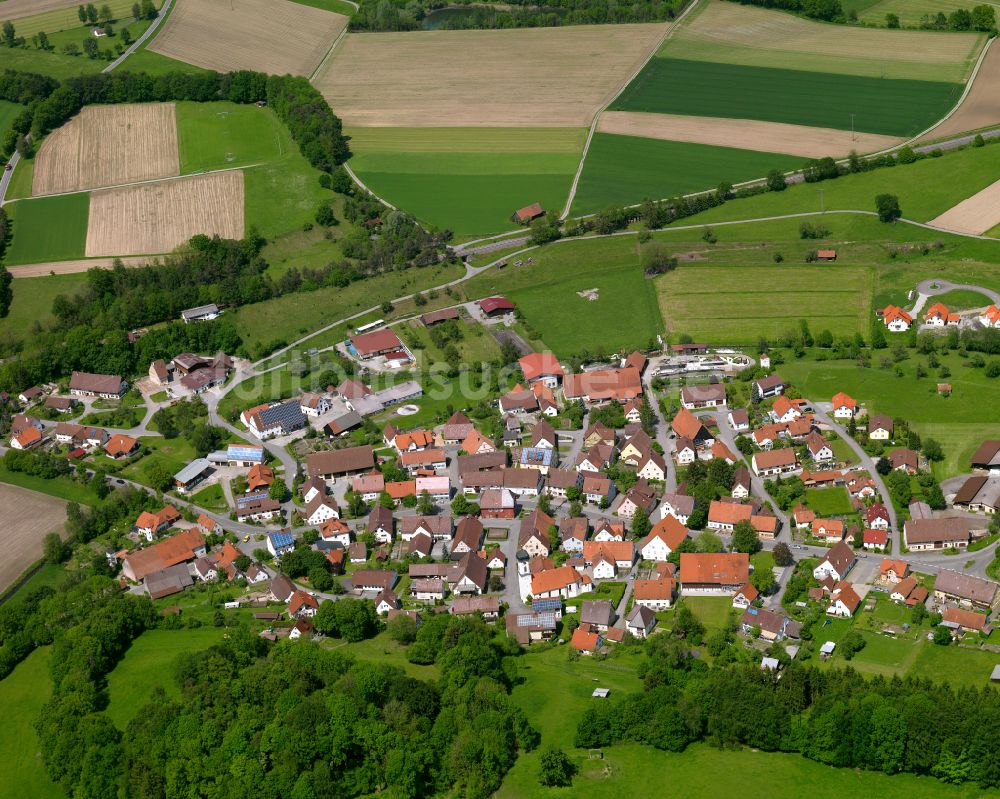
745 538
782 554
887 206
557 769
776 180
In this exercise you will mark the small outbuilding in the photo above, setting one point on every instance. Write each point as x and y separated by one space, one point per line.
529 213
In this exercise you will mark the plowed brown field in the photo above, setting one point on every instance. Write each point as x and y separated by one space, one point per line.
28 517
159 217
107 145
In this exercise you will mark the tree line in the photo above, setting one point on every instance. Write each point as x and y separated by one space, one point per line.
979 18
400 15
836 717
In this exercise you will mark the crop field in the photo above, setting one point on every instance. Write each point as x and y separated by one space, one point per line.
726 32
37 240
27 517
55 15
274 36
548 292
925 189
470 180
158 217
798 97
108 145
981 106
470 77
221 135
763 137
628 169
975 215
738 304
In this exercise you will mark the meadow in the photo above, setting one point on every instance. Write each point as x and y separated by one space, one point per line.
624 170
33 298
829 501
911 12
36 239
223 135
148 665
738 304
61 19
555 692
7 113
821 99
624 315
470 180
22 695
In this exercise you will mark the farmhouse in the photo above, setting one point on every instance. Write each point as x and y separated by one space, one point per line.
764 387
340 462
923 534
279 419
966 590
565 582
603 385
987 456
705 574
895 318
495 306
775 461
149 524
179 548
688 426
708 396
724 516
543 367
837 563
378 342
85 384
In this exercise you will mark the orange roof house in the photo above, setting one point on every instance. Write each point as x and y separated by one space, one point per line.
121 446
687 425
476 442
714 570
259 476
540 364
895 317
585 641
28 437
604 384
670 530
842 400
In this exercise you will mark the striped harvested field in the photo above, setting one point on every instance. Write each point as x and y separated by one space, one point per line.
161 216
738 304
469 78
274 36
748 134
28 517
976 214
108 145
981 106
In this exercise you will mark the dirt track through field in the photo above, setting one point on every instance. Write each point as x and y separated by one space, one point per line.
981 106
106 145
551 77
745 134
975 214
27 518
159 217
273 36
71 267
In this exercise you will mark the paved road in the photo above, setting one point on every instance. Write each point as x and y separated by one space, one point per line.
869 464
146 34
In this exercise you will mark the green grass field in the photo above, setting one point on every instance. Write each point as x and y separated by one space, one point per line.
67 18
960 300
382 649
959 422
33 298
61 487
38 239
22 695
223 135
701 88
829 501
476 345
624 170
712 611
555 692
172 454
468 180
148 664
7 113
625 314
211 497
337 6
925 189
738 304
144 60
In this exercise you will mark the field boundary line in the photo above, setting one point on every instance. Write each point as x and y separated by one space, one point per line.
361 183
141 182
667 33
961 100
325 58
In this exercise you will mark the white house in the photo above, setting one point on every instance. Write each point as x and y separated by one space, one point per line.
837 563
640 621
321 509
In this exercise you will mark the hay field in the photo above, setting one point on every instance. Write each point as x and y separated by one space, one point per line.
981 106
765 137
15 9
473 78
726 32
738 304
108 145
44 16
159 217
976 214
28 517
910 12
273 36
73 267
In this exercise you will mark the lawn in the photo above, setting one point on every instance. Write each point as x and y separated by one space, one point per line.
820 99
829 501
22 695
172 454
959 422
212 498
283 195
382 649
476 346
925 189
221 135
61 487
738 304
624 170
148 664
147 61
960 300
467 180
910 12
36 237
712 611
624 315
